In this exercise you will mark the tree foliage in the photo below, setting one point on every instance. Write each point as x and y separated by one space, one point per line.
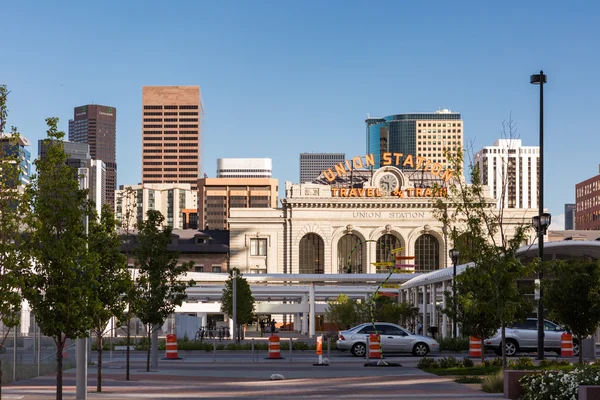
244 300
480 232
12 212
113 281
60 287
344 312
572 295
158 289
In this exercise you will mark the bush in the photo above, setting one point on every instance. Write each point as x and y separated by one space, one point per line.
454 344
467 362
493 383
468 379
558 384
494 362
449 362
522 363
427 362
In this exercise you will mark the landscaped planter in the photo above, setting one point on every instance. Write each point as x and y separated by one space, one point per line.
512 387
589 392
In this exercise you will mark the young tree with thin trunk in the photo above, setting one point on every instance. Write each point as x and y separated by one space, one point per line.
244 301
572 295
60 287
113 281
126 216
12 212
158 289
480 231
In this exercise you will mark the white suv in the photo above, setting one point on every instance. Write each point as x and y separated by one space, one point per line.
523 336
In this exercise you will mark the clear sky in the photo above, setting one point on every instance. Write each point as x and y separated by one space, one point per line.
283 77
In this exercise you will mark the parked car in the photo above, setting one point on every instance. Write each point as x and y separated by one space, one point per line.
523 336
394 339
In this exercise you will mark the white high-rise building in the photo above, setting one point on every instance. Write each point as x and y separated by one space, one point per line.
312 164
244 167
511 171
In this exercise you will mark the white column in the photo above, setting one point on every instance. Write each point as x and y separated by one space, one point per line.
433 321
415 303
444 316
424 287
311 295
204 320
25 320
305 307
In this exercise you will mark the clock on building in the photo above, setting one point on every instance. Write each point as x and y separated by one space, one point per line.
388 183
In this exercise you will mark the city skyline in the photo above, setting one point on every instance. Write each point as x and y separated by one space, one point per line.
262 102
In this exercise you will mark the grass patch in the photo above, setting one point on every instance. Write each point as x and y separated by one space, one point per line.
493 383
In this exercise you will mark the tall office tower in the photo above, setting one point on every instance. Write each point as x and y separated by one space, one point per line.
511 172
419 134
172 135
17 150
177 202
217 195
78 153
96 125
244 167
570 216
587 212
312 164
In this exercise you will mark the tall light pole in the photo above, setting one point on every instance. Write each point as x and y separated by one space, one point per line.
454 254
540 79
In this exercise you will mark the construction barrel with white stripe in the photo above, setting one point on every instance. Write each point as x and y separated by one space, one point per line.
566 345
474 347
374 346
171 347
274 347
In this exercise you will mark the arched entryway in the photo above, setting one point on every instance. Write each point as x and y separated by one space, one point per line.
350 255
427 253
311 252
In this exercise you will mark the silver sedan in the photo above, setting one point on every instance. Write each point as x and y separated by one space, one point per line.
394 339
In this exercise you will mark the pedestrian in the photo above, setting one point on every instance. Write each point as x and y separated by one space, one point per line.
272 326
420 329
262 327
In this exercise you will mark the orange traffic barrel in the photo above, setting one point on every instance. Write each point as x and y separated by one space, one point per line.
474 347
171 347
566 345
274 347
374 346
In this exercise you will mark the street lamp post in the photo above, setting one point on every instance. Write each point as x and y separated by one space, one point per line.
541 223
540 79
454 254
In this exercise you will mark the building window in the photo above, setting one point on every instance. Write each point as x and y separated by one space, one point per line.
258 247
199 268
216 268
385 245
350 251
312 249
427 252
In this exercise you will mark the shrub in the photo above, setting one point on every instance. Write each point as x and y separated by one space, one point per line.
493 383
467 362
454 344
522 363
427 362
494 362
468 379
449 362
558 384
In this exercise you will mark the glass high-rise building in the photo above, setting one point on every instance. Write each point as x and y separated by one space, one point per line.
570 216
312 164
96 125
418 134
17 149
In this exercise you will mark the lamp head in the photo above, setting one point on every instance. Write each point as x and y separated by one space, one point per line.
454 254
537 79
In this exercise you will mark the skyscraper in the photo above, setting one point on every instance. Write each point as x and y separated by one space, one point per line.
511 172
96 125
312 164
244 167
570 216
172 148
419 134
17 149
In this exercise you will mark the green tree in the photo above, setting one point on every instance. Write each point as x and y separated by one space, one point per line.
572 295
480 232
244 300
158 289
126 216
341 312
60 287
12 212
113 281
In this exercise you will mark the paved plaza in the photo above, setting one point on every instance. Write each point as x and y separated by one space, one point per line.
234 375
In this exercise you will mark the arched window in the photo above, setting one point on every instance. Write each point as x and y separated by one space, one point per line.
312 250
427 253
350 255
385 245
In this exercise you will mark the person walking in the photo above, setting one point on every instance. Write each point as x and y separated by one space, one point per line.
273 326
262 327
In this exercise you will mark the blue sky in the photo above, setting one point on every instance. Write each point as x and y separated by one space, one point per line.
279 77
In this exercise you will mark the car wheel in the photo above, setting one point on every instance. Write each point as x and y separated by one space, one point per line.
420 349
359 350
575 348
511 348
